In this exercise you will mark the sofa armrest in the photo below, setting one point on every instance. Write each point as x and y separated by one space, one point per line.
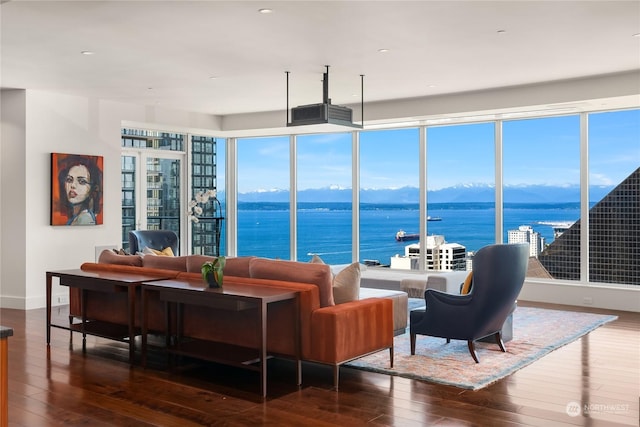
350 330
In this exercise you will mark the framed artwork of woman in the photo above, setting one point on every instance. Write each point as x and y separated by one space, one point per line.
76 189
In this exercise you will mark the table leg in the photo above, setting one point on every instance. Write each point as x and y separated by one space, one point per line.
83 304
169 332
296 331
49 278
4 388
263 349
131 306
175 359
143 332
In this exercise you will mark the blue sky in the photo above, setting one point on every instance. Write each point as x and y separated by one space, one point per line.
537 151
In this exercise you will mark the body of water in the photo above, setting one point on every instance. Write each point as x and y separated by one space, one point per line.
326 228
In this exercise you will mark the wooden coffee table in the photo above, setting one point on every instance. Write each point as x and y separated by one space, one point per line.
234 297
100 281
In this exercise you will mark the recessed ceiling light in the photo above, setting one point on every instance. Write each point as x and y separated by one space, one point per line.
383 50
265 11
501 31
213 77
636 35
87 52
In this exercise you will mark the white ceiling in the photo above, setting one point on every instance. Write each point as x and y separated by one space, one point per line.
164 53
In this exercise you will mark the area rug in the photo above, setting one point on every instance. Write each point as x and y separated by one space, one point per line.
536 332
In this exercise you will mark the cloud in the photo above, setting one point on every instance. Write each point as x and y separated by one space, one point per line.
600 179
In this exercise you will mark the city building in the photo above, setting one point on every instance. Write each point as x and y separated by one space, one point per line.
526 234
614 239
441 256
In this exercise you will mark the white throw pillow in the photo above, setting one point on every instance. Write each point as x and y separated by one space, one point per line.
316 260
346 284
148 251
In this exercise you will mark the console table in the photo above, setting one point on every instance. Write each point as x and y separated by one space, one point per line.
100 281
234 297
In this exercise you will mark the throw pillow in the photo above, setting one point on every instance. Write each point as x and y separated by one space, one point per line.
466 285
346 284
147 251
108 257
292 271
165 252
316 260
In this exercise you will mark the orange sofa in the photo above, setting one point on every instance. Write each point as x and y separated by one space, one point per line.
329 333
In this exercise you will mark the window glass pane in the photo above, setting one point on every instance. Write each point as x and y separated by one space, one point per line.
389 199
614 197
140 138
163 194
541 161
263 197
460 193
128 191
324 197
207 173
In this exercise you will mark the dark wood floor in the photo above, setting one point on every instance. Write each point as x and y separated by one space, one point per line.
61 386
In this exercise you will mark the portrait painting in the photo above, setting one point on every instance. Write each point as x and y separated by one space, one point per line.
76 189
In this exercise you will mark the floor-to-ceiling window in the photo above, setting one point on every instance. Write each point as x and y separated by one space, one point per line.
263 197
389 198
542 170
324 197
541 186
208 173
614 197
460 193
152 178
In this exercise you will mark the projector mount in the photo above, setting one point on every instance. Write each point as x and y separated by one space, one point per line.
325 112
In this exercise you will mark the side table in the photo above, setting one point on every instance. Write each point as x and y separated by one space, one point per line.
106 282
233 297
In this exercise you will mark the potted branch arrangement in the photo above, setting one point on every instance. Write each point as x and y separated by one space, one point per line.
212 272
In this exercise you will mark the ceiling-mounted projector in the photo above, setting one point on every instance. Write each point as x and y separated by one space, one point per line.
314 114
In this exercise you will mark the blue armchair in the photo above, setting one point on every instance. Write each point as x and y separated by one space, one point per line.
154 239
498 276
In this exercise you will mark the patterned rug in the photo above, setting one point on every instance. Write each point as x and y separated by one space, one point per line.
536 332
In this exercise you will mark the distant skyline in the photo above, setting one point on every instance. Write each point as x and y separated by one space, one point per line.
543 151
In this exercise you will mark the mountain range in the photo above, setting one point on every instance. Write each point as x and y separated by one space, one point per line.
458 194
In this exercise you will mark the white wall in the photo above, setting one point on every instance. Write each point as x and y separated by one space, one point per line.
66 124
610 91
625 298
35 124
13 193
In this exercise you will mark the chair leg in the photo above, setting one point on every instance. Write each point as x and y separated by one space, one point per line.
448 340
391 357
472 350
336 376
413 344
498 337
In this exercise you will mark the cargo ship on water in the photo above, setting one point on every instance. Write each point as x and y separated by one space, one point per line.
403 236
